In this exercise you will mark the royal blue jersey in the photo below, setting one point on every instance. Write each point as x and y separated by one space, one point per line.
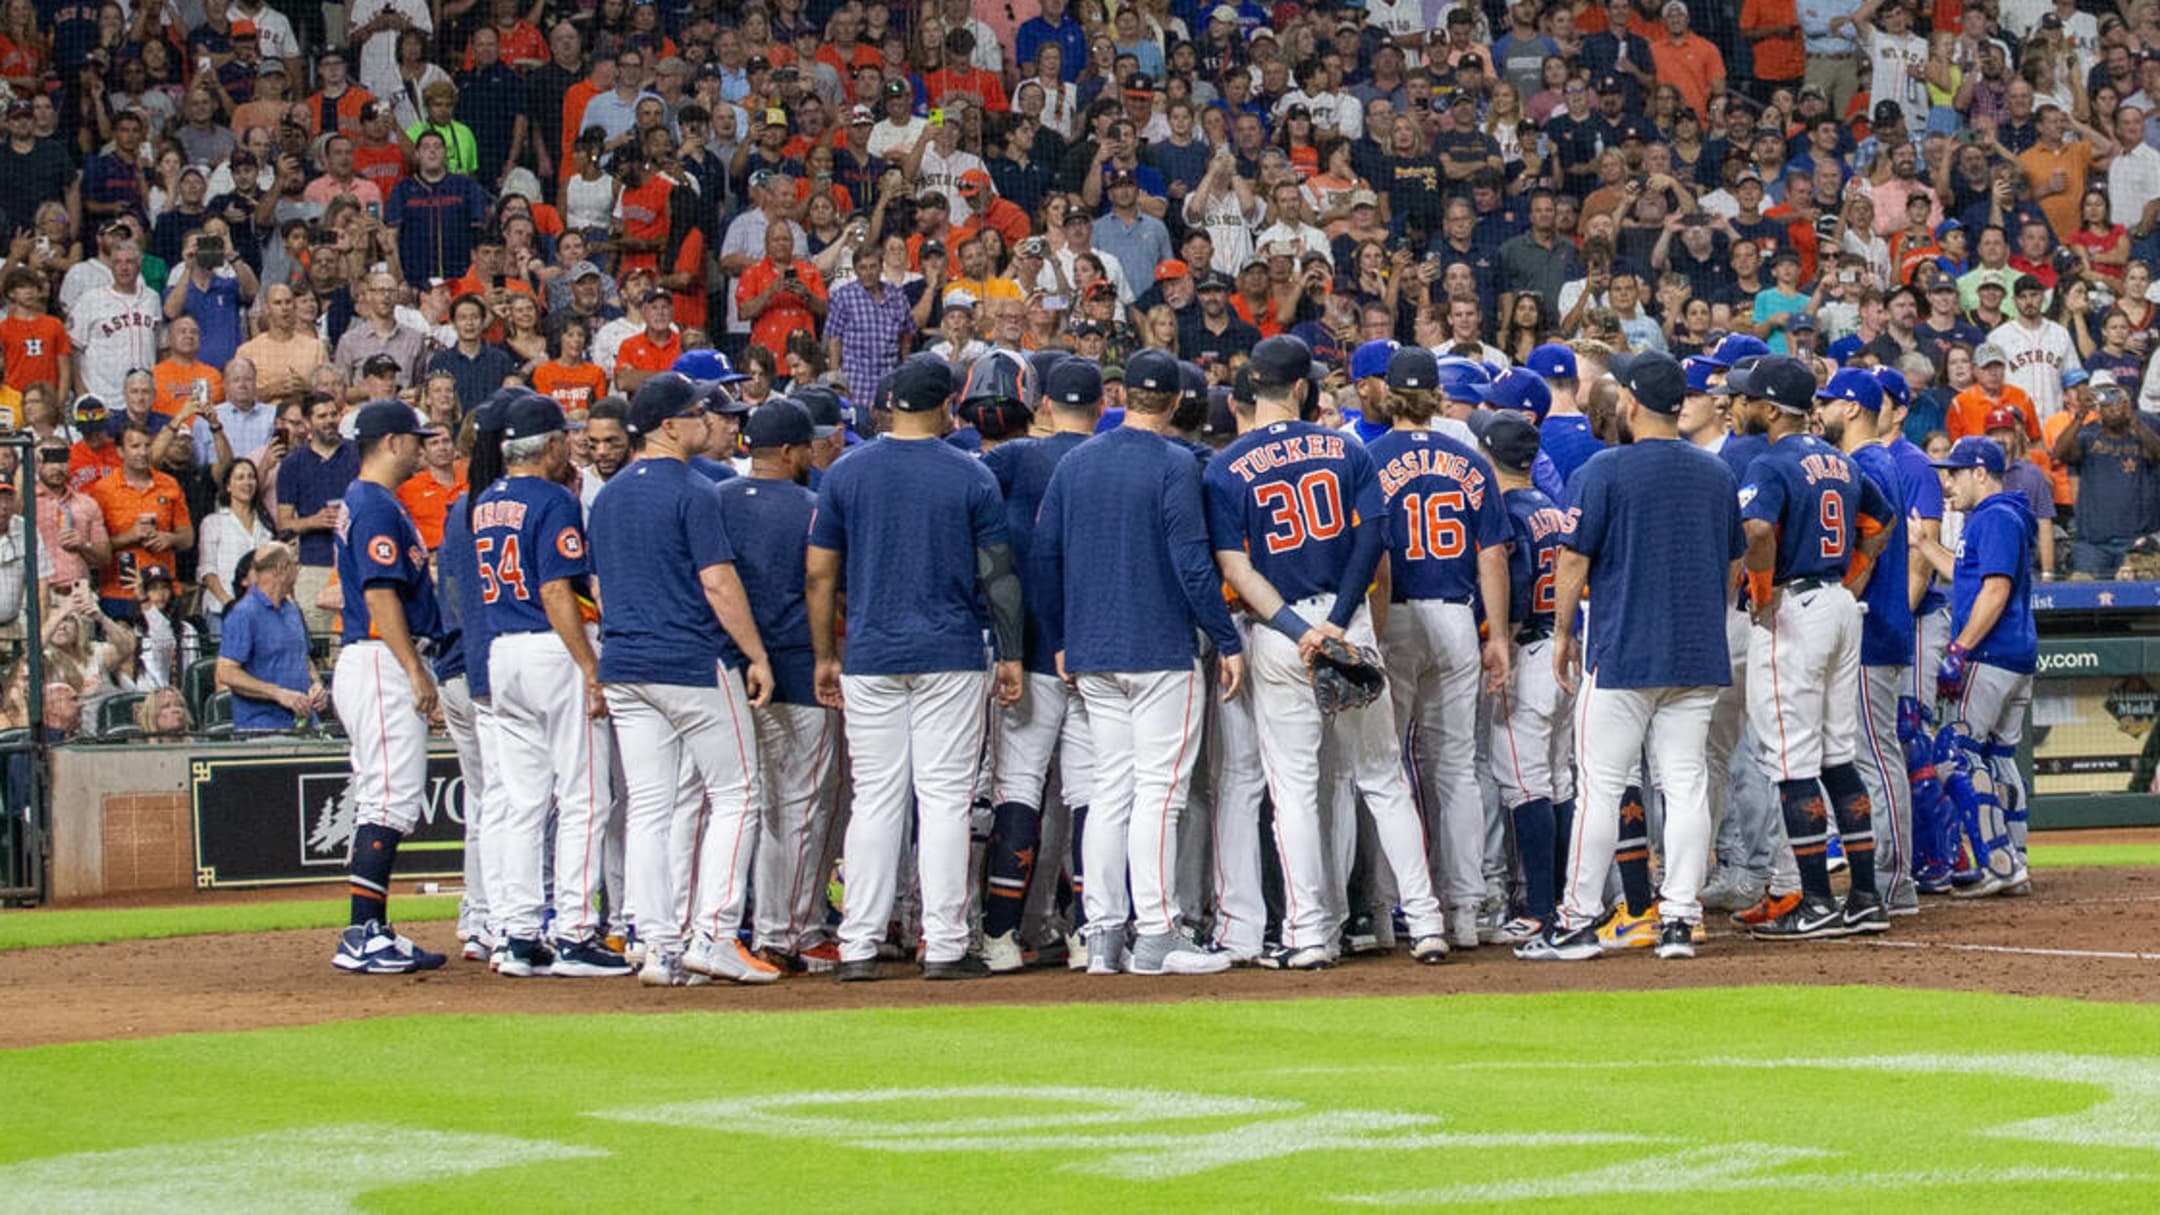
1886 632
1305 505
768 525
1659 520
378 546
655 527
909 517
1998 542
1443 505
1538 527
1565 438
1023 471
1811 493
1921 492
1123 573
457 586
527 532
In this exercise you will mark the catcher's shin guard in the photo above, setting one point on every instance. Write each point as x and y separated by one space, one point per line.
1971 789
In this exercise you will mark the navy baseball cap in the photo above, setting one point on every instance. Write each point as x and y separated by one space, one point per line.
1280 361
1975 451
1371 359
1079 382
1784 382
1518 388
1412 367
1855 385
667 395
779 422
1511 440
1154 371
1736 347
1893 384
1553 361
389 417
1655 379
923 383
828 413
532 414
1462 379
1192 382
1042 361
1699 370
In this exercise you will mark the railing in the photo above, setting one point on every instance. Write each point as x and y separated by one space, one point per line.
25 818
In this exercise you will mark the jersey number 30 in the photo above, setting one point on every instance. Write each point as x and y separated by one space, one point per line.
497 575
1310 510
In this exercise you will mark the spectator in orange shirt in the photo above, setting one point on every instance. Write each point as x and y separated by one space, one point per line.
1772 27
961 78
522 45
685 276
182 378
780 295
337 104
428 493
987 210
653 349
1969 409
147 519
377 156
33 344
1688 62
641 212
94 454
573 379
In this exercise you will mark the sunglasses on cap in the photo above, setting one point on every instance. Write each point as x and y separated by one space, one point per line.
53 455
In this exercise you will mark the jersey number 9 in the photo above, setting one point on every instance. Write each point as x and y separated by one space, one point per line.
499 575
1831 514
1435 524
1311 510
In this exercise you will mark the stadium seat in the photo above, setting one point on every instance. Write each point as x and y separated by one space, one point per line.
197 683
116 714
216 720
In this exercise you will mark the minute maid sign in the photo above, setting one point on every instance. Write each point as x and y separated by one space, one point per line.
265 820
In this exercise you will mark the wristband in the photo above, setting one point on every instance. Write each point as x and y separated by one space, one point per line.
1287 622
1759 587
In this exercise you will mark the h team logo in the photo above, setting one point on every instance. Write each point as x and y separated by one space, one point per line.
384 550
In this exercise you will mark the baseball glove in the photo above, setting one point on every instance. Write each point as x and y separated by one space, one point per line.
1346 678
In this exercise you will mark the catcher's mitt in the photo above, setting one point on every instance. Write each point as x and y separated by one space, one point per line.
1346 678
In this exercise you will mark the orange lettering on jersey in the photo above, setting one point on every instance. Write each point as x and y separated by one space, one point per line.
1823 466
1284 452
1398 473
1547 521
508 513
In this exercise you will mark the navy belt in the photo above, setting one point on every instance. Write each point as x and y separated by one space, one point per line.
1532 635
1801 586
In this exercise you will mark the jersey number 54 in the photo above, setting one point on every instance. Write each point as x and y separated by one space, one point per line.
500 573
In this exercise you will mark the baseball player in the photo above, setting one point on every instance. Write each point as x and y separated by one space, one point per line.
1299 524
1851 424
920 527
462 674
1531 744
1815 524
681 667
1448 539
1564 433
1654 535
1985 678
767 516
382 688
1049 722
530 552
1369 379
1126 583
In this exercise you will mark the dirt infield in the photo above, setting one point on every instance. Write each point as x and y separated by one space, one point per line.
2084 934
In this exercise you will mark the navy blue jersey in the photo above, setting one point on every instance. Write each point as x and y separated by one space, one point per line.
457 585
1123 573
1305 504
1538 527
1566 440
1811 493
1997 542
378 546
1023 471
1739 452
1443 506
527 532
768 525
712 470
1659 520
1921 492
1886 632
908 516
655 527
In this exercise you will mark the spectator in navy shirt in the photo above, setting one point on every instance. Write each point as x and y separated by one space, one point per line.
311 490
2112 456
113 181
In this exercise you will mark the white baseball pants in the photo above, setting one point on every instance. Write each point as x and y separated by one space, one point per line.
661 728
1146 726
1610 729
920 735
1432 666
1533 738
1993 707
1049 722
1292 732
1931 638
1240 783
1803 681
471 724
374 702
1729 719
552 754
798 781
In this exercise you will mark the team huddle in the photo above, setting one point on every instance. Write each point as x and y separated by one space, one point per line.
1195 683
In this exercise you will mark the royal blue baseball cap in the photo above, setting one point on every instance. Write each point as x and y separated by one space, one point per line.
532 414
1655 379
1154 371
1553 361
1371 359
1855 385
1975 451
708 365
1699 370
1735 347
1462 379
667 395
1518 388
1893 384
1412 367
1079 382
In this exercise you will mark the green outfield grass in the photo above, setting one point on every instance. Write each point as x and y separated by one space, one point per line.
33 929
2064 856
1715 1100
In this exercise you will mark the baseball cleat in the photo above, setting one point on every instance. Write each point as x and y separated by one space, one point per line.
1286 957
861 970
1002 953
1431 950
1106 953
1557 944
1766 909
375 948
966 966
1625 930
1730 888
1865 913
666 970
477 949
526 959
1676 939
1812 919
1169 953
728 959
1361 937
1462 926
1518 930
1076 950
820 958
1492 922
588 960
1932 879
781 960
